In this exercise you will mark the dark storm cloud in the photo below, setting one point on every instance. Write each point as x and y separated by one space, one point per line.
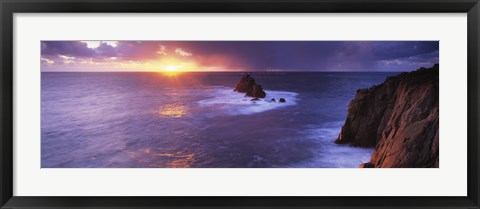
262 55
396 50
71 48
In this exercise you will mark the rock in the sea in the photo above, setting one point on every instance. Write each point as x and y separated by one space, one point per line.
273 100
257 91
281 100
248 85
245 84
399 118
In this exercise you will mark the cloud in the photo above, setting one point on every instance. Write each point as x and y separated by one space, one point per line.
162 51
92 44
111 43
47 61
223 61
66 57
251 55
126 50
68 48
105 50
95 44
402 49
410 63
182 52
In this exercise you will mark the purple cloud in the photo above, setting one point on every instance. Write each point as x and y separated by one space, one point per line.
253 55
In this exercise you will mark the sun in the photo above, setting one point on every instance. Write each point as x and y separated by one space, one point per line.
171 68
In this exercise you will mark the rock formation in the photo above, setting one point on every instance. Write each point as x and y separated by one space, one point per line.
248 85
399 118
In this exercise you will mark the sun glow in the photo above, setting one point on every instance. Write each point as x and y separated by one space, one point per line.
173 66
171 70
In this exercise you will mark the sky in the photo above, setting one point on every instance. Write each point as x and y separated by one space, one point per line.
246 56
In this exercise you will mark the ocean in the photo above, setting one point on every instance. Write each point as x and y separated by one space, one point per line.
196 120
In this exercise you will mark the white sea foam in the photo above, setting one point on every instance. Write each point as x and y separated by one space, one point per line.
236 103
333 155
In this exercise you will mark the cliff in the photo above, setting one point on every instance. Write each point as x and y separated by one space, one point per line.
399 118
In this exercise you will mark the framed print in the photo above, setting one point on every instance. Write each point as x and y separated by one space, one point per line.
265 104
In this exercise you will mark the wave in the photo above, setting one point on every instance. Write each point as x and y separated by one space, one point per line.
236 103
331 155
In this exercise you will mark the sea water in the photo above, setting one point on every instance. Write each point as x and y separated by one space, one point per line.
153 120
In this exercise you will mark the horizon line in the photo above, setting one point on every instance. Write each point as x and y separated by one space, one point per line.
180 72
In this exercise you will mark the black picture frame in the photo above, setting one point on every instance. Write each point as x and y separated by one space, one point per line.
10 7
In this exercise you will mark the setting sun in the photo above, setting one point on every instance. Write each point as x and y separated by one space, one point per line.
171 68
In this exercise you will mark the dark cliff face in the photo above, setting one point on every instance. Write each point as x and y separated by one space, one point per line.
399 118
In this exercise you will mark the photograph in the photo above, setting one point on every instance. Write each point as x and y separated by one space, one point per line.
239 104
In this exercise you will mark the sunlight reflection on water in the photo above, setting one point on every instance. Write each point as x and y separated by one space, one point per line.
179 160
156 158
173 110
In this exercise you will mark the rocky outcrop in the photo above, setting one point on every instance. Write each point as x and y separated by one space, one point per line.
399 118
248 85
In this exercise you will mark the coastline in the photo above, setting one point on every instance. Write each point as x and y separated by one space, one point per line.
399 118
